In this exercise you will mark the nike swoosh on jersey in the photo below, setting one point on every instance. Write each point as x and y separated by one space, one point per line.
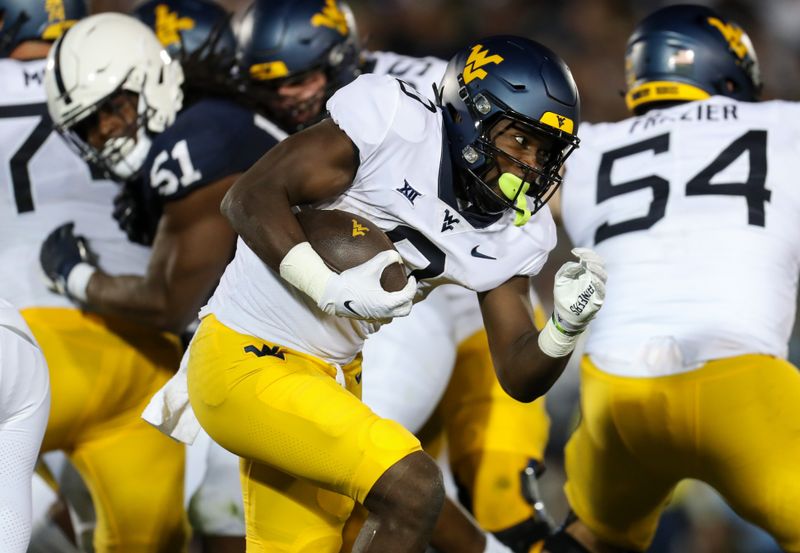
347 306
476 253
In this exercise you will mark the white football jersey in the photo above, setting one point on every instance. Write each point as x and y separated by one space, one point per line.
44 184
421 73
404 185
695 211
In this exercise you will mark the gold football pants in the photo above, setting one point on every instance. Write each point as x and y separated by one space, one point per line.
491 437
733 423
309 446
102 374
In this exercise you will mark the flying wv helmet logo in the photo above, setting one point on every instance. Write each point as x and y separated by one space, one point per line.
170 24
734 35
331 16
56 24
477 59
359 229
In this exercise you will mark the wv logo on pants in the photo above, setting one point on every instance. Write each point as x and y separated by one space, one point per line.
274 351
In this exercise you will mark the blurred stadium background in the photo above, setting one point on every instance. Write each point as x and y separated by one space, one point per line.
590 35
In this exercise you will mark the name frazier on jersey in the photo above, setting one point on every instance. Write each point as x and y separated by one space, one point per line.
699 112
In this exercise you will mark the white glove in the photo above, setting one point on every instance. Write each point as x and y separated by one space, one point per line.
357 292
578 294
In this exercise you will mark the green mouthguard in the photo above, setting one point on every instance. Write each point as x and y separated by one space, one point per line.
509 185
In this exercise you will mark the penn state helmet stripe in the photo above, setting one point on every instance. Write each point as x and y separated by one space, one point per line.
62 90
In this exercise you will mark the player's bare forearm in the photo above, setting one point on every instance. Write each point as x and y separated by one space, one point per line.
523 370
313 165
527 372
133 298
193 245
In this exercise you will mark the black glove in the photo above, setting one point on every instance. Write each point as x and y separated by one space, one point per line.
137 218
61 252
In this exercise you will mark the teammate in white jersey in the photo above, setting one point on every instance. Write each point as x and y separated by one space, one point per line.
25 393
102 370
292 63
282 331
694 206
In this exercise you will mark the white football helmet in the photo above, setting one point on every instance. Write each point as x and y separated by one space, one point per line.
95 60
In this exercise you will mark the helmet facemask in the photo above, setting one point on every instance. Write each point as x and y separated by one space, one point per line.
493 191
267 97
123 155
286 110
286 43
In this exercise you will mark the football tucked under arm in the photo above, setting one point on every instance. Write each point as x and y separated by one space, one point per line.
349 267
344 240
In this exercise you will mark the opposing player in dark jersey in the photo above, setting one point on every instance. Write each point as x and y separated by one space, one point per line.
107 107
293 55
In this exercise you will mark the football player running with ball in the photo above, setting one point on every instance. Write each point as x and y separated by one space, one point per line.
491 151
292 56
692 205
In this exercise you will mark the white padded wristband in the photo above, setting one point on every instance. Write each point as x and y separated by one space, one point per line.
554 342
304 269
78 281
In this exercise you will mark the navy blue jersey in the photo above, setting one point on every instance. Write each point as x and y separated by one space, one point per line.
209 140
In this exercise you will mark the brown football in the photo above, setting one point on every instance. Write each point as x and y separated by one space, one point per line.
344 240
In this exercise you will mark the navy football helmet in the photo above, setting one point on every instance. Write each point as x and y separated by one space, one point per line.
283 41
36 20
685 52
508 78
198 33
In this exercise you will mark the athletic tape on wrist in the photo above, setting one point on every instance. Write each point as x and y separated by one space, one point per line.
303 268
78 281
555 342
